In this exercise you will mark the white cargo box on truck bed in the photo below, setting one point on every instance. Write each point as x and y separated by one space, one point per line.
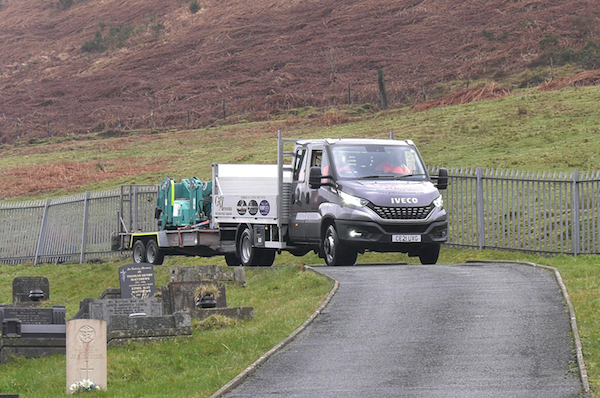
249 193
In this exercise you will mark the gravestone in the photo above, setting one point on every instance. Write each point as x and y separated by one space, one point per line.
183 299
54 315
30 289
208 272
105 308
86 352
179 295
31 331
137 281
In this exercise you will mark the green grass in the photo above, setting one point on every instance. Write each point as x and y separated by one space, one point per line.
282 297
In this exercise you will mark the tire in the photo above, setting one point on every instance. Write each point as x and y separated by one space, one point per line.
245 248
250 256
139 252
154 255
335 253
429 254
232 259
266 257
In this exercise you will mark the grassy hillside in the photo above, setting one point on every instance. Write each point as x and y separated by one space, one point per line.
76 66
527 130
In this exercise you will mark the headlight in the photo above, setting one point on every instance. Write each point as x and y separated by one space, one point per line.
353 201
438 202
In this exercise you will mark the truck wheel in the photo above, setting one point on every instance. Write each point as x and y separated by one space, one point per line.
336 253
430 254
266 257
232 260
153 253
139 252
246 250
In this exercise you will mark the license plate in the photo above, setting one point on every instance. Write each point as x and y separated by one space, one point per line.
406 238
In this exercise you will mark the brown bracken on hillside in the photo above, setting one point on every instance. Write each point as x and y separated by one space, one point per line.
164 66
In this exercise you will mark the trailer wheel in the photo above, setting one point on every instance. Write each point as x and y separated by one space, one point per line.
139 252
430 254
334 251
153 253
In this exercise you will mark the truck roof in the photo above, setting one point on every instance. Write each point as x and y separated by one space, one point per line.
354 141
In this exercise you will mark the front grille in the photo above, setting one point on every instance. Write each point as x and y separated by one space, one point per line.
402 213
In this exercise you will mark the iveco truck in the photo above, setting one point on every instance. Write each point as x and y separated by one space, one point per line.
337 197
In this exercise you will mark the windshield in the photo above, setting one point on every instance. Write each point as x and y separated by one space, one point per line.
376 161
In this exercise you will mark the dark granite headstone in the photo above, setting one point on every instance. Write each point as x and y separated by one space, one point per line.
34 315
137 281
28 289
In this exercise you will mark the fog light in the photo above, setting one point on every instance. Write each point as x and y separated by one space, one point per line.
355 234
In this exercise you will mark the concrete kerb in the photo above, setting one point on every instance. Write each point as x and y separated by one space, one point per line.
574 330
252 368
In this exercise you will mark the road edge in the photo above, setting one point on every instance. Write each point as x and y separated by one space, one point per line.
252 368
578 347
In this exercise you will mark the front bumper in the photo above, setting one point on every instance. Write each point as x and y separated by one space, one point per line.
373 236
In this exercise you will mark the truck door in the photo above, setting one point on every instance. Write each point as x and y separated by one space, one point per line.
313 198
299 179
305 217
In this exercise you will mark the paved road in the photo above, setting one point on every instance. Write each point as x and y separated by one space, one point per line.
469 330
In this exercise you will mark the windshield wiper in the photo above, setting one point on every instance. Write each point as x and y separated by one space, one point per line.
389 176
408 175
375 176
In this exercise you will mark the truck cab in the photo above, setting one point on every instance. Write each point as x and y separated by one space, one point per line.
349 196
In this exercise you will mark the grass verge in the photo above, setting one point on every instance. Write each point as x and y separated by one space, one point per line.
282 297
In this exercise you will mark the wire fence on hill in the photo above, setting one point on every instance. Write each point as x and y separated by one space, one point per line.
533 212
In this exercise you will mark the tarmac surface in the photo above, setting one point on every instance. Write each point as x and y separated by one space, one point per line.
462 330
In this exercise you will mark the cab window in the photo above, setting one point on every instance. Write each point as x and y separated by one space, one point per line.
299 160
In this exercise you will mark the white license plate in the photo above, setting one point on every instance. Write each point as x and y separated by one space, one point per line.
406 238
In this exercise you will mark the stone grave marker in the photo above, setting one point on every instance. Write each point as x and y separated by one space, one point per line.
31 331
137 281
86 352
36 316
30 289
105 308
182 295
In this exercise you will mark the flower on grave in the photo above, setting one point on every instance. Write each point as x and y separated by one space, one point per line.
83 386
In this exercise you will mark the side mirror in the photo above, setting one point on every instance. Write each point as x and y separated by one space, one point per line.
314 178
442 181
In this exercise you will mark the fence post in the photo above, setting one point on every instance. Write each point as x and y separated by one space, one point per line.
42 231
575 225
86 204
479 207
134 208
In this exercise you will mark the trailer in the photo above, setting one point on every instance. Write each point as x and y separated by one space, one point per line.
336 197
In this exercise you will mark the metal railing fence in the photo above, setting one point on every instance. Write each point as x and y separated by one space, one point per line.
535 212
75 228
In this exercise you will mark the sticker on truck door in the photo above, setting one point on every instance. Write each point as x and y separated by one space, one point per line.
406 238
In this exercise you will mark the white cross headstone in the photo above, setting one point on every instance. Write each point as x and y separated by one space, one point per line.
86 352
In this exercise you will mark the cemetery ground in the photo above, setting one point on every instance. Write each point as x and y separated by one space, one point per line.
283 297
